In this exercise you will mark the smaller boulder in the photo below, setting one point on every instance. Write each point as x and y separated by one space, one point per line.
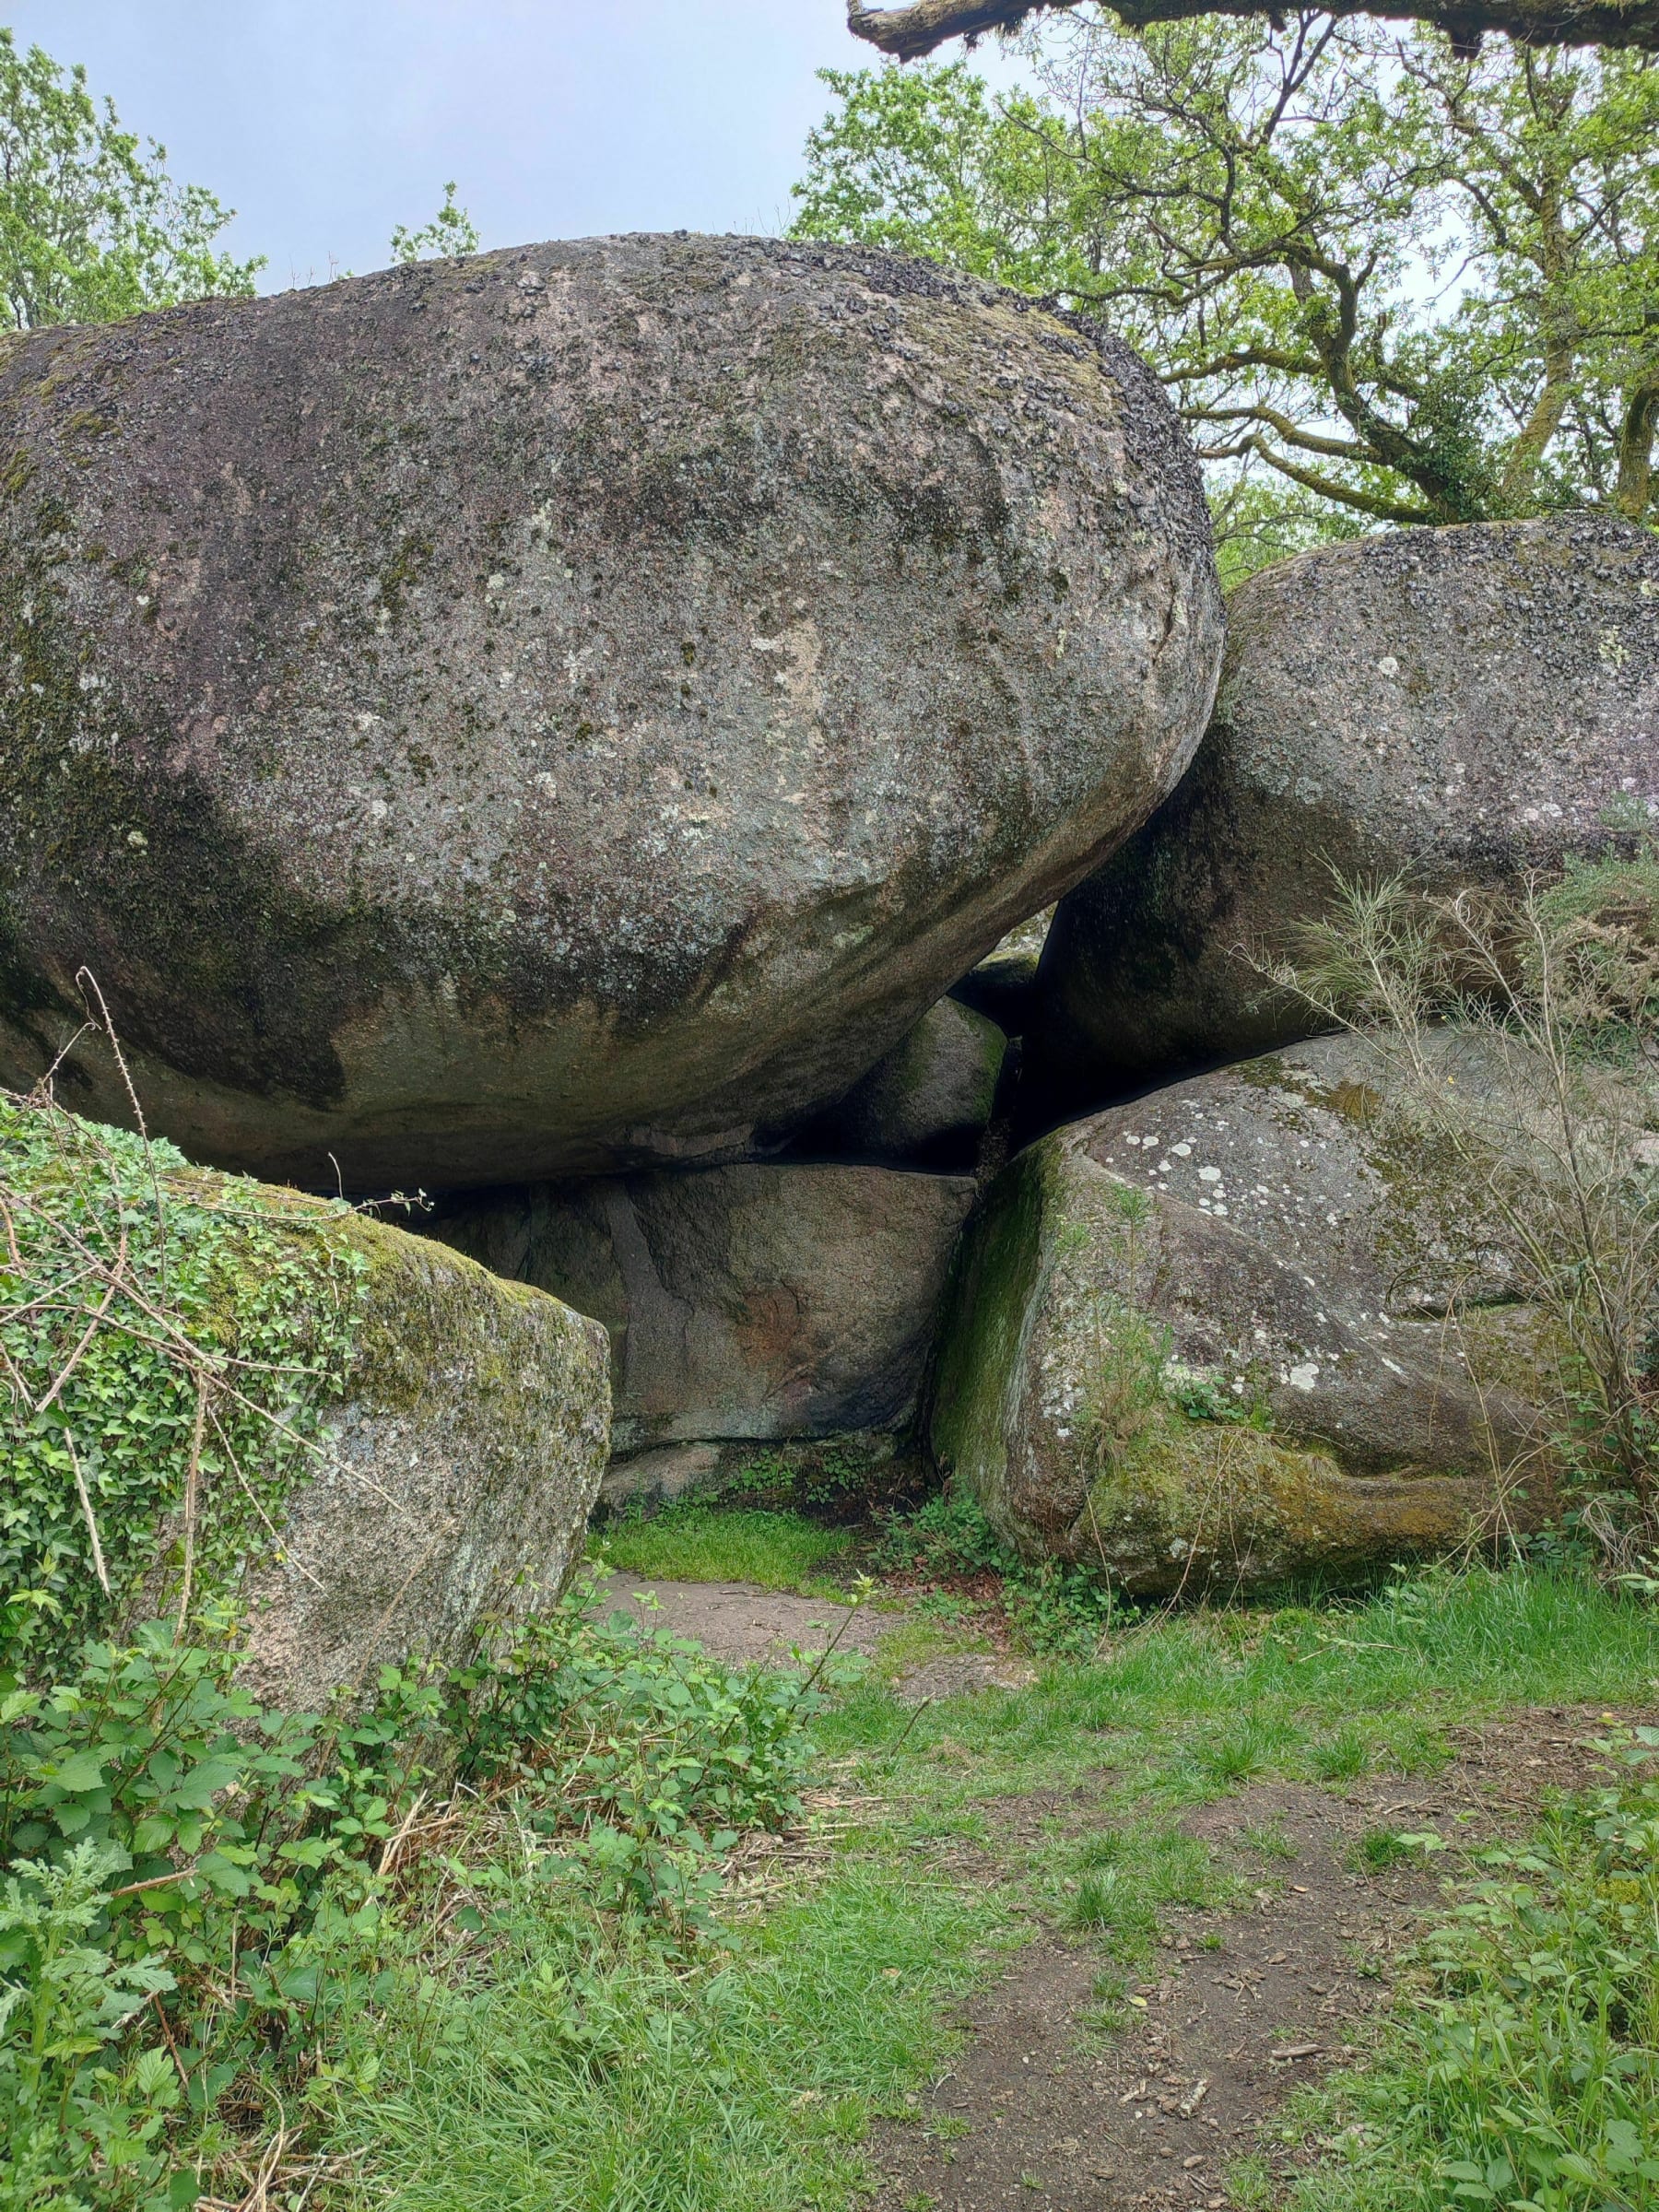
455 1480
229 1394
928 1103
755 1302
1468 704
1220 1336
1003 987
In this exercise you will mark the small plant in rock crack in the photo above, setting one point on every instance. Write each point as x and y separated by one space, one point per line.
1126 1353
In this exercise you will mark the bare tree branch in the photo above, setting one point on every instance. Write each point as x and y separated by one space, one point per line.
908 33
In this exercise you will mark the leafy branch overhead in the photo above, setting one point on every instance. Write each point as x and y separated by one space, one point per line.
1383 283
91 225
910 33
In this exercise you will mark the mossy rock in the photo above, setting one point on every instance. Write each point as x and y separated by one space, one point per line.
456 1472
1470 704
223 1395
1239 1330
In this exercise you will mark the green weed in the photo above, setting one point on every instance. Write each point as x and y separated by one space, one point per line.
1377 1850
1343 1758
223 1879
1528 2072
572 2068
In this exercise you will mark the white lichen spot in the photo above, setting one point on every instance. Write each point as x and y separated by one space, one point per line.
1209 1174
1304 1376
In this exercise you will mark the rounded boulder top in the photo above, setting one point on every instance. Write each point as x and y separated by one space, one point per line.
1465 705
569 707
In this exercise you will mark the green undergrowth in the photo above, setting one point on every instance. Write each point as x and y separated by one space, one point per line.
558 2062
1053 1610
533 1987
1521 2069
698 1543
206 1907
1185 1706
563 2064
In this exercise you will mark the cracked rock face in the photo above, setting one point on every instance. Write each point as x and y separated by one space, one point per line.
1241 1328
756 1301
572 708
1465 703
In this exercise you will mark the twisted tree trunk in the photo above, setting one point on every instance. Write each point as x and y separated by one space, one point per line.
906 33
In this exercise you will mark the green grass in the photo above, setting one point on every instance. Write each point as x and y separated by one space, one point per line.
565 2070
695 1543
571 2071
1523 2069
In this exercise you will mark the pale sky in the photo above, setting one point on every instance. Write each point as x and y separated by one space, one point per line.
324 123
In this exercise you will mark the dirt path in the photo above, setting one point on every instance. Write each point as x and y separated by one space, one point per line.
738 1621
1045 2110
1042 2111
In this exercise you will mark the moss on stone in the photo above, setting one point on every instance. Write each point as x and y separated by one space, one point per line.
990 1309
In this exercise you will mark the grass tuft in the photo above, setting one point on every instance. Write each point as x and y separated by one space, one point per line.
693 1543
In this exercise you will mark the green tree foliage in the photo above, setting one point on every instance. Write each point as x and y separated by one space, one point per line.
451 231
91 226
1385 282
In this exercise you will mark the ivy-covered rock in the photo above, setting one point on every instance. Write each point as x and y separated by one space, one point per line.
218 1395
573 709
755 1302
1466 703
1241 1328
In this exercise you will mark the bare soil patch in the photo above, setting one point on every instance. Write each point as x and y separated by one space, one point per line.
1043 2109
739 1622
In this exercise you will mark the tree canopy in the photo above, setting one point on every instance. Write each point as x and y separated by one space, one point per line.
91 225
1384 282
451 230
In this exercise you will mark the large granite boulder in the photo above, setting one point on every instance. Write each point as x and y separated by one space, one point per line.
1244 1327
572 708
753 1301
1466 703
927 1102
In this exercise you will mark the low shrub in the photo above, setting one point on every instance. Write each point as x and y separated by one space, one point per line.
1523 2072
197 1889
1055 1609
